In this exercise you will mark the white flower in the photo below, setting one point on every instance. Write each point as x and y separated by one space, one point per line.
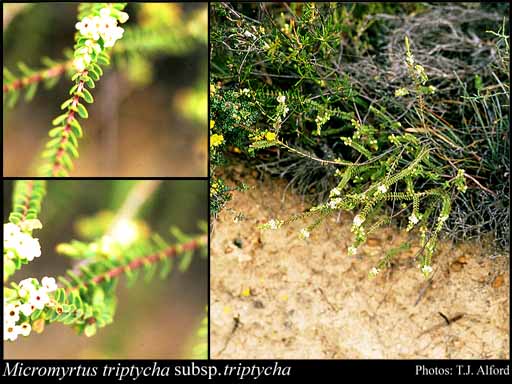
413 219
352 251
123 17
26 309
28 247
11 313
426 270
358 220
79 64
333 204
274 224
11 231
374 272
304 233
382 188
39 299
107 244
281 99
24 329
28 284
10 332
125 232
335 192
104 12
49 284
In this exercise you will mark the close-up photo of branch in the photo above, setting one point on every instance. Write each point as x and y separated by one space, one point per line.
87 277
127 75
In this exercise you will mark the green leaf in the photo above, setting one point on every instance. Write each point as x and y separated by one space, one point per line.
55 131
77 129
66 104
185 261
59 119
166 267
103 59
66 160
97 69
93 74
25 69
71 148
82 111
90 83
31 91
86 95
12 98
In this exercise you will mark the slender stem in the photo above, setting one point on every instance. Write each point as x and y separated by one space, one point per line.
57 164
37 77
169 252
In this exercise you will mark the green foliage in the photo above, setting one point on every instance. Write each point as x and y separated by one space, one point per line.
85 297
27 198
63 145
304 78
200 351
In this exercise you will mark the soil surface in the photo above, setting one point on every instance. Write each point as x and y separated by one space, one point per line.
276 296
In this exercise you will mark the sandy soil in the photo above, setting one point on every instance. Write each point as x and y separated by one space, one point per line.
276 296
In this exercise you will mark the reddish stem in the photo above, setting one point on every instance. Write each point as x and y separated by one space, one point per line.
153 258
45 74
57 165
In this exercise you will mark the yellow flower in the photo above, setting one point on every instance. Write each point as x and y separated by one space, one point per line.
270 136
216 140
212 124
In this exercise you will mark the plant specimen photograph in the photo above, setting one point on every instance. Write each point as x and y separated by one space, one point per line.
359 171
105 89
105 269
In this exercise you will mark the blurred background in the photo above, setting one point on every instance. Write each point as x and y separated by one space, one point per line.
149 118
153 320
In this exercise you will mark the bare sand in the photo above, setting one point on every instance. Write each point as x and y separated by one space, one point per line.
276 296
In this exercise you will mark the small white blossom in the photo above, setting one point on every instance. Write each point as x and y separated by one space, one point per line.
10 231
39 299
335 192
26 309
426 270
274 224
374 272
49 284
333 204
304 233
24 329
352 251
358 220
10 332
281 99
79 64
382 188
27 247
11 313
413 219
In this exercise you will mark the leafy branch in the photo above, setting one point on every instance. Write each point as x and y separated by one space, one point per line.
98 32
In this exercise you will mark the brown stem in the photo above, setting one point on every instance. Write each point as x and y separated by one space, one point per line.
37 77
153 258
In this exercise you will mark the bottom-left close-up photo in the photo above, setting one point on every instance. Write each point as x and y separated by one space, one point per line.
105 269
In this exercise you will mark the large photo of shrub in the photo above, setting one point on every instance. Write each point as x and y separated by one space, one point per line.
359 180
